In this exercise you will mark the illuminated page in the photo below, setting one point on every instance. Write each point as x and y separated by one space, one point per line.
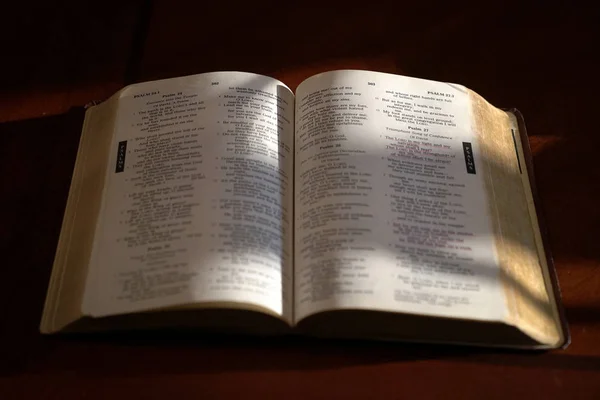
390 210
197 199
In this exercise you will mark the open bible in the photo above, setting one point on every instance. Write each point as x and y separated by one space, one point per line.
365 205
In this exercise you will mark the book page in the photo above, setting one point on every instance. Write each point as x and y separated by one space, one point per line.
391 212
197 200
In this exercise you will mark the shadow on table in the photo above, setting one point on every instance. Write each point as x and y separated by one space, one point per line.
172 354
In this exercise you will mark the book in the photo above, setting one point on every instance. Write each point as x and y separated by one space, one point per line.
364 205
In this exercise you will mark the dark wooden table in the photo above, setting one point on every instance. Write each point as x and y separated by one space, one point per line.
538 59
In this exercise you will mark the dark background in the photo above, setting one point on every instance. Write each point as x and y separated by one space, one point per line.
539 57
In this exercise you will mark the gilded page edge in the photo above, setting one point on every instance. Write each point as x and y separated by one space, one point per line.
69 271
532 312
536 231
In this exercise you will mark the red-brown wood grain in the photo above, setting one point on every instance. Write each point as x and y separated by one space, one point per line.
540 59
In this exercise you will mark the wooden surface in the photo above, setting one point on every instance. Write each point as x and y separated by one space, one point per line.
538 59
